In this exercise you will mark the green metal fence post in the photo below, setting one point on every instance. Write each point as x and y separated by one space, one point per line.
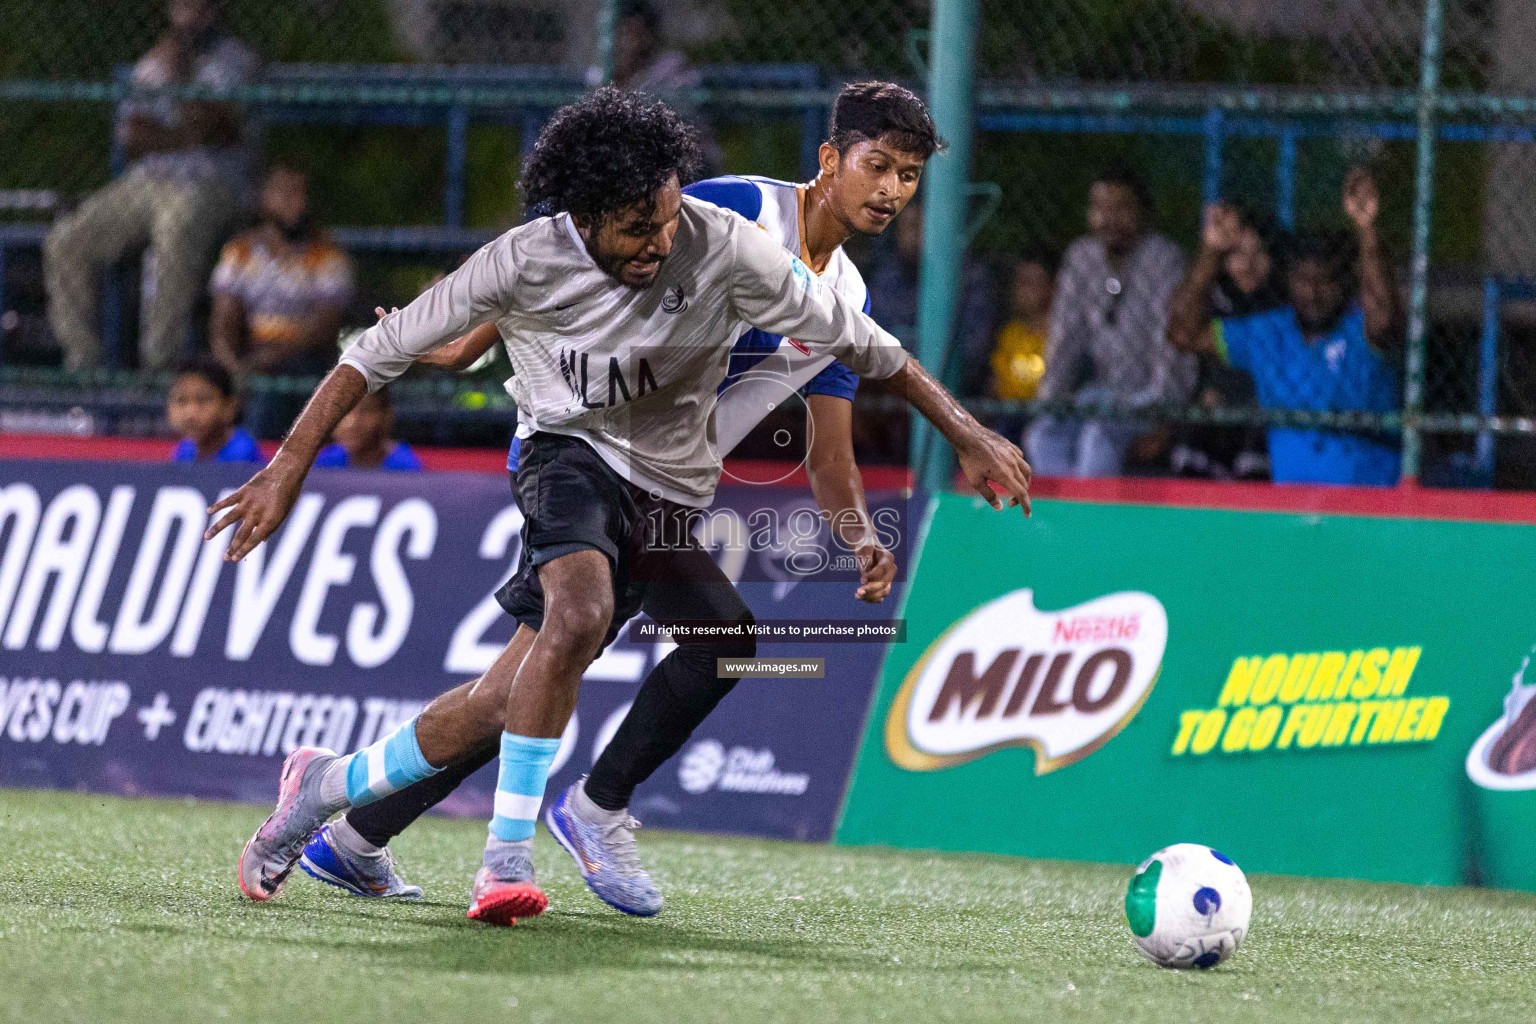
607 24
1423 208
951 63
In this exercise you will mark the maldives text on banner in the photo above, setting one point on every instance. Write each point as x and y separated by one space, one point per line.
133 659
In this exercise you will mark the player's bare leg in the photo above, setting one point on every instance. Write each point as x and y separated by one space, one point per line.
460 731
578 606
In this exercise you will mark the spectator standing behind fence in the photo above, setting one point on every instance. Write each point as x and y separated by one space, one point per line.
362 439
1108 340
1250 281
203 407
189 161
1327 349
893 292
280 290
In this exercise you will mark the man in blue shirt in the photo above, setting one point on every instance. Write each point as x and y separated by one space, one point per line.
1331 348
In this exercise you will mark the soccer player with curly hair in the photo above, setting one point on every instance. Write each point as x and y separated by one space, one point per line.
619 304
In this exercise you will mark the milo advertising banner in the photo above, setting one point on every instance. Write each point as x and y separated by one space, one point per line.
1322 695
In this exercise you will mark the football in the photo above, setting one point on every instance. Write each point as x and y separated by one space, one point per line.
1188 906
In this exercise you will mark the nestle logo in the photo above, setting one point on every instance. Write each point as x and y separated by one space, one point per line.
1095 628
1008 674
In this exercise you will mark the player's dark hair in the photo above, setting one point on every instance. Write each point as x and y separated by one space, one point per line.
866 111
1127 177
208 368
611 150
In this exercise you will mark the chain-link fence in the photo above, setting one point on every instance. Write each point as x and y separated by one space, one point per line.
412 116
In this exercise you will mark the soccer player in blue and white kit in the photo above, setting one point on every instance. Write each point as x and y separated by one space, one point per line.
879 140
628 283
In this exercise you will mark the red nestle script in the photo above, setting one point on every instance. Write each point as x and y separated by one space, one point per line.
1095 628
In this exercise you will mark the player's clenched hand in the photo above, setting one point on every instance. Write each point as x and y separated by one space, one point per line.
877 568
986 456
259 507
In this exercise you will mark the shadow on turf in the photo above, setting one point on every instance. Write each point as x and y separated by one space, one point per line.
556 943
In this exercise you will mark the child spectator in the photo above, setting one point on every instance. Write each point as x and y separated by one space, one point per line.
203 408
1018 356
1330 348
362 439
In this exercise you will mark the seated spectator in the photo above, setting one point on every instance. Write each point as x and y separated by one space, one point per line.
362 439
280 289
1108 340
203 407
1249 282
184 183
1018 356
1327 349
892 282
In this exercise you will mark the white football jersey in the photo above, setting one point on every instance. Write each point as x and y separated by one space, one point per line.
634 372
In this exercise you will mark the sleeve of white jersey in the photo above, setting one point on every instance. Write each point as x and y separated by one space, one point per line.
775 292
476 292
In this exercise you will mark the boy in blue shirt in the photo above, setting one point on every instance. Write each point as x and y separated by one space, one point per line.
1332 347
362 439
202 407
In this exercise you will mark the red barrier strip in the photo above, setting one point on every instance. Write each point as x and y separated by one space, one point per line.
1394 502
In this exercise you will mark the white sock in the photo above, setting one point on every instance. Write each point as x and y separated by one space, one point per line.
350 840
589 811
333 785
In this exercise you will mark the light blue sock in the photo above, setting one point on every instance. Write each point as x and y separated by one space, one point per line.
386 766
525 762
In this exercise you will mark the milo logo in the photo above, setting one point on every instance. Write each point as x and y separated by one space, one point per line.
1008 675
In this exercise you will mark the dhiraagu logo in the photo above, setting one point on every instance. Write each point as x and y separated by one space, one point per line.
1008 675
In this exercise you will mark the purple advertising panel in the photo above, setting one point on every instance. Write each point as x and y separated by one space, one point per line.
134 659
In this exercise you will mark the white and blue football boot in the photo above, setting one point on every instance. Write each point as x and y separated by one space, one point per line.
373 877
605 853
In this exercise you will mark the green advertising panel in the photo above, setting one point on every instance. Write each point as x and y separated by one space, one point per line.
1321 695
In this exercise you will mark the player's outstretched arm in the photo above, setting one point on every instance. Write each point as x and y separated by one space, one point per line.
985 457
839 490
773 291
259 507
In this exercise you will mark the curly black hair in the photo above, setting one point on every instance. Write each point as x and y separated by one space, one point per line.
611 150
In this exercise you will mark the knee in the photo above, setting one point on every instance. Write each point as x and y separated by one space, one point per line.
579 622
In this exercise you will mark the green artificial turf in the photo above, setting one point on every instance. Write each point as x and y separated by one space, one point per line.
126 910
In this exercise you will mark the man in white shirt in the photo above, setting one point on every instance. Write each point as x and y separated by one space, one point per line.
620 309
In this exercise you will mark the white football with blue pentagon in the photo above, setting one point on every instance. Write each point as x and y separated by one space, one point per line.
1188 906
